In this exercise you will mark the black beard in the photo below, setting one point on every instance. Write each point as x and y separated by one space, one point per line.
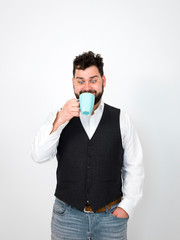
97 97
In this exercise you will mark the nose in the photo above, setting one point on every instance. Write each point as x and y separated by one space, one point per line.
87 86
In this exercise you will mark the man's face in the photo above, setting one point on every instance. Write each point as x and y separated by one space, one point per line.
89 80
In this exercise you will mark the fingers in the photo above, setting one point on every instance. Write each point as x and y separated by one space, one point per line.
73 105
70 109
76 114
76 104
75 109
73 102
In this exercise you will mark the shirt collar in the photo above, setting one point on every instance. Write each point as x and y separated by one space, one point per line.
100 107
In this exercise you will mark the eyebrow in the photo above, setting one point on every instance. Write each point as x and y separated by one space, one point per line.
90 77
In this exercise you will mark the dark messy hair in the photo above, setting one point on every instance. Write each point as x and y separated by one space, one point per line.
88 59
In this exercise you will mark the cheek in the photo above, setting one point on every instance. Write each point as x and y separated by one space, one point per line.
76 87
99 88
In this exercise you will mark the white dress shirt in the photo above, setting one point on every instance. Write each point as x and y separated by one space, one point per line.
44 148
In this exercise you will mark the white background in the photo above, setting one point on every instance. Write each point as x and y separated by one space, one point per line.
140 43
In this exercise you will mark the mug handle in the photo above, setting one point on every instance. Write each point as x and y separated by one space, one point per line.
79 103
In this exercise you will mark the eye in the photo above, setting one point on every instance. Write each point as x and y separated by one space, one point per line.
80 82
93 81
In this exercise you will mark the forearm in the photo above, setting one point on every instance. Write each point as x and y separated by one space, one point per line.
58 121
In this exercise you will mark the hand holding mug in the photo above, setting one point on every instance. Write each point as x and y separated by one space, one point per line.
69 110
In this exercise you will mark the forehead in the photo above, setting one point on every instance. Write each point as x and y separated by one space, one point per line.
88 72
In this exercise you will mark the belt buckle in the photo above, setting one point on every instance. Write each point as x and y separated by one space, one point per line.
87 211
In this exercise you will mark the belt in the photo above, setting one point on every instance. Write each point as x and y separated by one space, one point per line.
88 207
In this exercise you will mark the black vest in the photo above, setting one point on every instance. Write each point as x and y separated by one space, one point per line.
90 169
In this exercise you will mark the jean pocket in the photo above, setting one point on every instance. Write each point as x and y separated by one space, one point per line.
113 208
59 207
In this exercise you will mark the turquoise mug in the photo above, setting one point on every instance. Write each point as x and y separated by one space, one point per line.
86 101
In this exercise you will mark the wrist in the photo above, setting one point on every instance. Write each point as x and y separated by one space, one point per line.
56 126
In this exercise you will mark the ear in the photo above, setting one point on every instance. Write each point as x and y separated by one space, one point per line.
73 81
104 80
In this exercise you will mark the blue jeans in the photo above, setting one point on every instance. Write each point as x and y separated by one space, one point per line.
68 223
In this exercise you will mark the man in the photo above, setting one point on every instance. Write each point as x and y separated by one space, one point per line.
100 172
